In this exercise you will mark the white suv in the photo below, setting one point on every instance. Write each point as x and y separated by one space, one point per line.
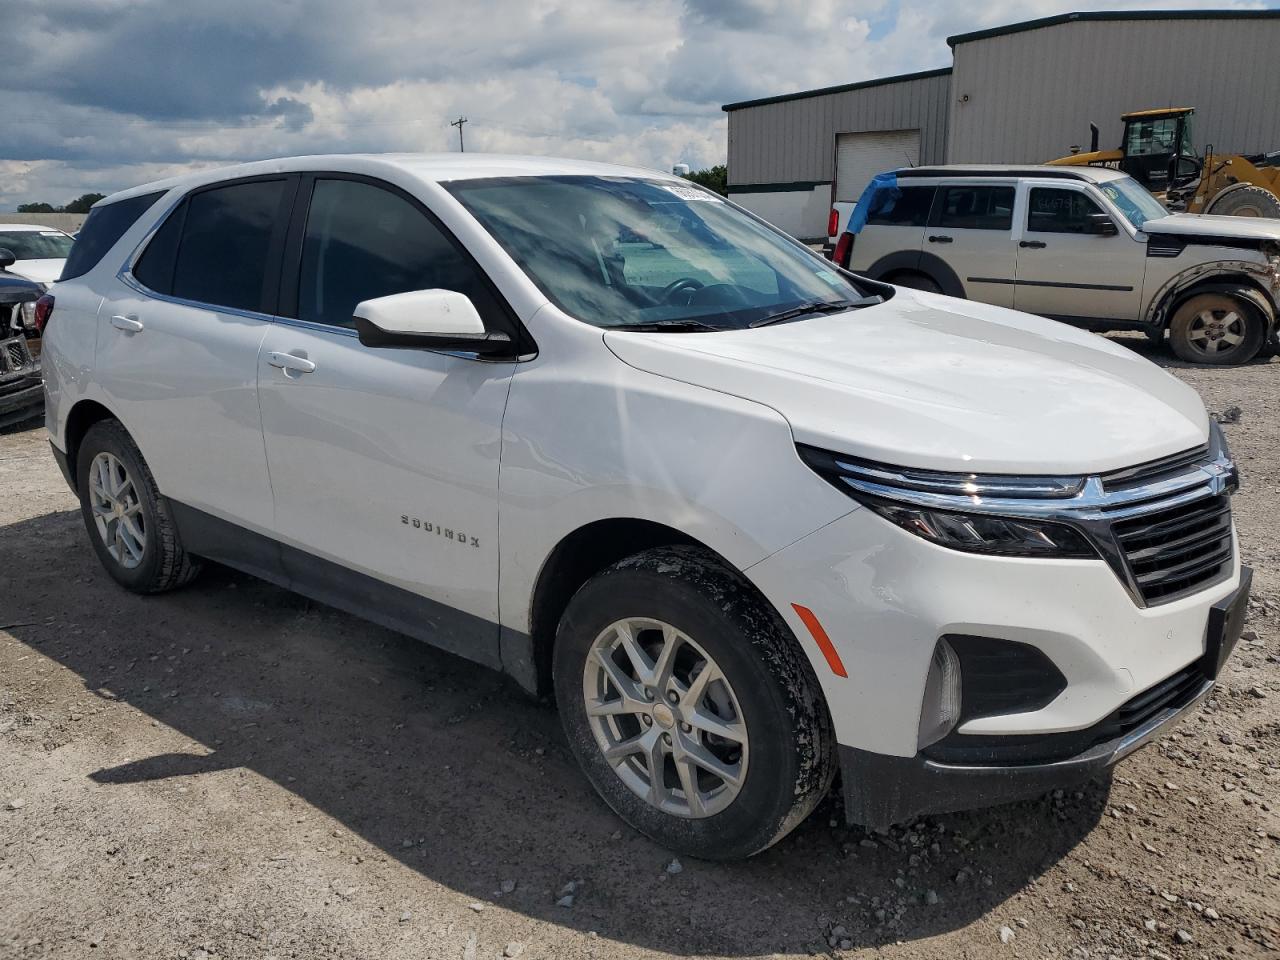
1086 245
751 519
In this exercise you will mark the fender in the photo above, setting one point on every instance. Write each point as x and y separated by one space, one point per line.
918 261
1240 277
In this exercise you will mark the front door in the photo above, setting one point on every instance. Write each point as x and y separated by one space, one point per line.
384 461
971 229
1065 269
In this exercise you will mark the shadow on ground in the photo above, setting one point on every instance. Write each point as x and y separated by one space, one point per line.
399 743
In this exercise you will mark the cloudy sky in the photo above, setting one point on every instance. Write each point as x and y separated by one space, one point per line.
97 95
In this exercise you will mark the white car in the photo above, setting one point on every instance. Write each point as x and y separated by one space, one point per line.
751 519
38 252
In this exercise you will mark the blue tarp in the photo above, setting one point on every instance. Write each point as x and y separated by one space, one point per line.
881 194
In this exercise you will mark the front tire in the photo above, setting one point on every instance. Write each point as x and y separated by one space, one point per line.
128 521
1216 328
690 706
1247 201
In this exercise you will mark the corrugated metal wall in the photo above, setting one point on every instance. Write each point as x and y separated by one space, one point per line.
1032 94
794 141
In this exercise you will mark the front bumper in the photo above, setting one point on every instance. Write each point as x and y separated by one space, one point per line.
964 772
20 399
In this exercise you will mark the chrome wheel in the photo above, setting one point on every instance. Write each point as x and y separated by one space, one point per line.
665 718
117 510
1216 330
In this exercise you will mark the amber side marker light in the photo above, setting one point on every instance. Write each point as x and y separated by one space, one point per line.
821 639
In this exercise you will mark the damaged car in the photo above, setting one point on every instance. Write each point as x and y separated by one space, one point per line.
1085 245
21 395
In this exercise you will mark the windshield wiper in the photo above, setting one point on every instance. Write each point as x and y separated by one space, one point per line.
817 306
664 326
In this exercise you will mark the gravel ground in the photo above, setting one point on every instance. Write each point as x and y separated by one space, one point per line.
232 771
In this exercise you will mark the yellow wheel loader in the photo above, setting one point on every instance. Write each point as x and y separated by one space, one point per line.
1158 152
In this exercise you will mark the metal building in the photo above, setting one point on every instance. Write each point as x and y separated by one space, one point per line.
1017 94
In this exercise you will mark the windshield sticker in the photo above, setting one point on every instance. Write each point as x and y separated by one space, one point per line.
826 276
691 193
50 233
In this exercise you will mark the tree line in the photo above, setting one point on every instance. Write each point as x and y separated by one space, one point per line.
80 204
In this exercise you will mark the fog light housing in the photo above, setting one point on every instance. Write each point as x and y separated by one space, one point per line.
940 709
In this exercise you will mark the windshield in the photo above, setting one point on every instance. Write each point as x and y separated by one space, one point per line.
36 244
1135 202
623 252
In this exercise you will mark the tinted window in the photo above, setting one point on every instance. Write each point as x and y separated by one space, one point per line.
36 244
363 242
104 226
1059 211
976 208
154 268
226 236
906 207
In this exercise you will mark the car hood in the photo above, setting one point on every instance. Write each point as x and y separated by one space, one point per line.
1208 225
41 271
929 381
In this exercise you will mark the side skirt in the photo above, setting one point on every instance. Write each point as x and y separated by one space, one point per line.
334 585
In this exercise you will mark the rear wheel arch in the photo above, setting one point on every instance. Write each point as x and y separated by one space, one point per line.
921 263
83 415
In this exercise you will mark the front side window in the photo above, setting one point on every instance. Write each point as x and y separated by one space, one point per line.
363 241
1151 137
1059 211
36 244
976 208
904 207
630 252
221 254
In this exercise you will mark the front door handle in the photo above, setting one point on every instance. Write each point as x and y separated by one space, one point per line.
1033 244
291 364
127 324
938 238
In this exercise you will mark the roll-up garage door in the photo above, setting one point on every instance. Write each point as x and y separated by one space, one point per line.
860 156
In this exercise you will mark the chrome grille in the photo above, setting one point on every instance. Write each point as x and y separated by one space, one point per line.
14 356
1175 551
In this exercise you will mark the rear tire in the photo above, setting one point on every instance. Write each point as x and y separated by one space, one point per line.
128 521
916 281
718 770
1247 201
1216 328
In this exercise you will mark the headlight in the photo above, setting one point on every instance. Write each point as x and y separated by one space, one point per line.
981 533
935 505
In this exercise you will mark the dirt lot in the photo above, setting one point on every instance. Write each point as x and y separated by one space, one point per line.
232 771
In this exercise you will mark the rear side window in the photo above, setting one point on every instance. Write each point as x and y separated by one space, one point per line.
363 241
1059 211
976 208
103 227
908 207
214 247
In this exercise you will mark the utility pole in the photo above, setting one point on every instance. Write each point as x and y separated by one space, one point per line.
458 123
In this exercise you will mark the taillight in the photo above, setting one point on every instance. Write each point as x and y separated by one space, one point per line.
833 222
44 310
844 246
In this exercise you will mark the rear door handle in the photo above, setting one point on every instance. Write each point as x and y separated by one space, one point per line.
290 363
936 238
127 324
1033 244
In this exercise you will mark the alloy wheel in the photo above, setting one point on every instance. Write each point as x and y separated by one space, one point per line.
117 510
665 718
1216 330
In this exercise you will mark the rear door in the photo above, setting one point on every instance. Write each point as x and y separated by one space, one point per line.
1065 269
971 230
178 346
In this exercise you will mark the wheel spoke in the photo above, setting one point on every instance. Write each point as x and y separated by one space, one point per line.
666 657
620 707
697 754
625 748
625 686
689 785
640 661
692 697
707 722
655 760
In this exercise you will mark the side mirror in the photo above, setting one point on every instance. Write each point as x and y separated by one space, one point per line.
1102 225
7 259
428 320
